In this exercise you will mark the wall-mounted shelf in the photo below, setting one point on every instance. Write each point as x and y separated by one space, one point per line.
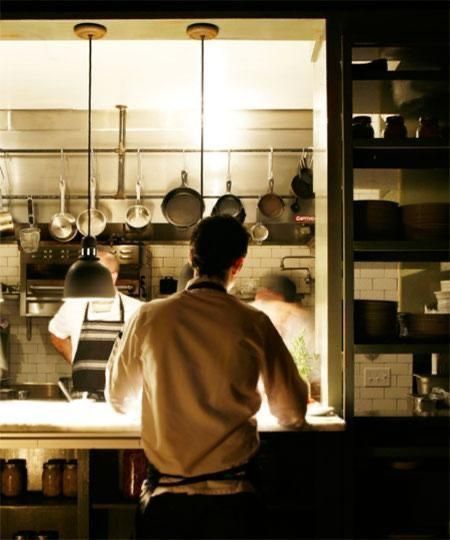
402 251
405 154
403 347
406 75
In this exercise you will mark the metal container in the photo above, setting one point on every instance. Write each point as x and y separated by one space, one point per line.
425 383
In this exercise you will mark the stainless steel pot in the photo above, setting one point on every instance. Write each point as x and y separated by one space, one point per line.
98 218
425 383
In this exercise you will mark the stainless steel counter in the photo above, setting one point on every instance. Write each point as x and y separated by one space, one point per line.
58 424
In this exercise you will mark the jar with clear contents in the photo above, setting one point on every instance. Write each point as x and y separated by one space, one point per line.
70 479
51 480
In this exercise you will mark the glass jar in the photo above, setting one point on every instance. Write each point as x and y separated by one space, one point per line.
12 480
51 480
22 464
395 128
24 535
362 127
70 479
47 535
428 127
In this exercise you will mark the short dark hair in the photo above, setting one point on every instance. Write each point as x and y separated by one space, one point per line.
216 243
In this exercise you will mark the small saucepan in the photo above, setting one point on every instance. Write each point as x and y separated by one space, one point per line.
62 226
183 207
229 204
271 205
98 218
30 236
138 217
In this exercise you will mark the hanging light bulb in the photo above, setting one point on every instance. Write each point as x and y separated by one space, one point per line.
87 278
202 31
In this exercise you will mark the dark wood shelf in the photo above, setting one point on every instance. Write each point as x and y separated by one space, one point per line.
360 74
404 347
37 499
401 250
402 154
115 505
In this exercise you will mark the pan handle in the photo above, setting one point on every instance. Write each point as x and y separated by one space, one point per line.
30 210
270 164
184 178
1 186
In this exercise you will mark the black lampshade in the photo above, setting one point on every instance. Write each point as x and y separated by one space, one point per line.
87 278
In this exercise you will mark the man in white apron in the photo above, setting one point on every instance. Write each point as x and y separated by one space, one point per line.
197 356
84 332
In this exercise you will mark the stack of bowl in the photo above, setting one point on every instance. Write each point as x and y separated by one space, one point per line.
376 220
375 320
425 221
443 297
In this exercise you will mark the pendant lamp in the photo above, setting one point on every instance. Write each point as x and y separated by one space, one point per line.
202 31
87 278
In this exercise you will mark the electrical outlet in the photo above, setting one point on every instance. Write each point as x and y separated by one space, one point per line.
377 377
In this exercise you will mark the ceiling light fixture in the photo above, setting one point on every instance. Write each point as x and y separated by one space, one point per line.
87 278
202 31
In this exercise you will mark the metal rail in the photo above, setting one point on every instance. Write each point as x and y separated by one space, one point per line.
11 151
113 197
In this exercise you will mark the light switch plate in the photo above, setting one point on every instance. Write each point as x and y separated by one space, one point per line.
377 377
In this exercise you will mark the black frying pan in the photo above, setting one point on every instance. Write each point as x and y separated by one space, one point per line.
271 205
302 183
183 207
228 204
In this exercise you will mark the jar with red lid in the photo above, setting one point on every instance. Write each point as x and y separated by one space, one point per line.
134 472
395 128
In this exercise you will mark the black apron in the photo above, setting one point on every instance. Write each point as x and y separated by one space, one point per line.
94 347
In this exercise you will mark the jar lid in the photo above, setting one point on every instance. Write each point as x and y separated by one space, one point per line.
397 119
51 466
70 465
17 461
362 119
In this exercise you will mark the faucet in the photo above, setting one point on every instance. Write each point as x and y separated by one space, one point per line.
308 278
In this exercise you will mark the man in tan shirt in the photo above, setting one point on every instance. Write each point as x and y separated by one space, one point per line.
196 358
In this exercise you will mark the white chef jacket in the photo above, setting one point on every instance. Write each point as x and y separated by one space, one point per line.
196 356
68 320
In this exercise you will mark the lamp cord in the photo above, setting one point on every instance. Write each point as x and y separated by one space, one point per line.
202 113
89 134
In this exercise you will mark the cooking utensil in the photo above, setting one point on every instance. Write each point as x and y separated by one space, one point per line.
64 390
183 206
426 325
271 205
302 182
62 226
376 220
425 383
6 220
30 237
98 218
259 232
138 216
229 204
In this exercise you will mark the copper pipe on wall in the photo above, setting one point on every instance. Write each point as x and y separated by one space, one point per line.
121 152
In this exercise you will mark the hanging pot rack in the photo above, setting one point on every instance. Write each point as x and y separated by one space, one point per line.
8 152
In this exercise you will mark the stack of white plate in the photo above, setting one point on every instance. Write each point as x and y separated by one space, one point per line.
443 297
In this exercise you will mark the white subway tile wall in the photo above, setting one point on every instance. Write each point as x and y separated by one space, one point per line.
35 360
380 281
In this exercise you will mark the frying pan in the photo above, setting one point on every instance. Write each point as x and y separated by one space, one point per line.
259 232
138 216
62 226
271 205
98 218
183 206
229 204
302 182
